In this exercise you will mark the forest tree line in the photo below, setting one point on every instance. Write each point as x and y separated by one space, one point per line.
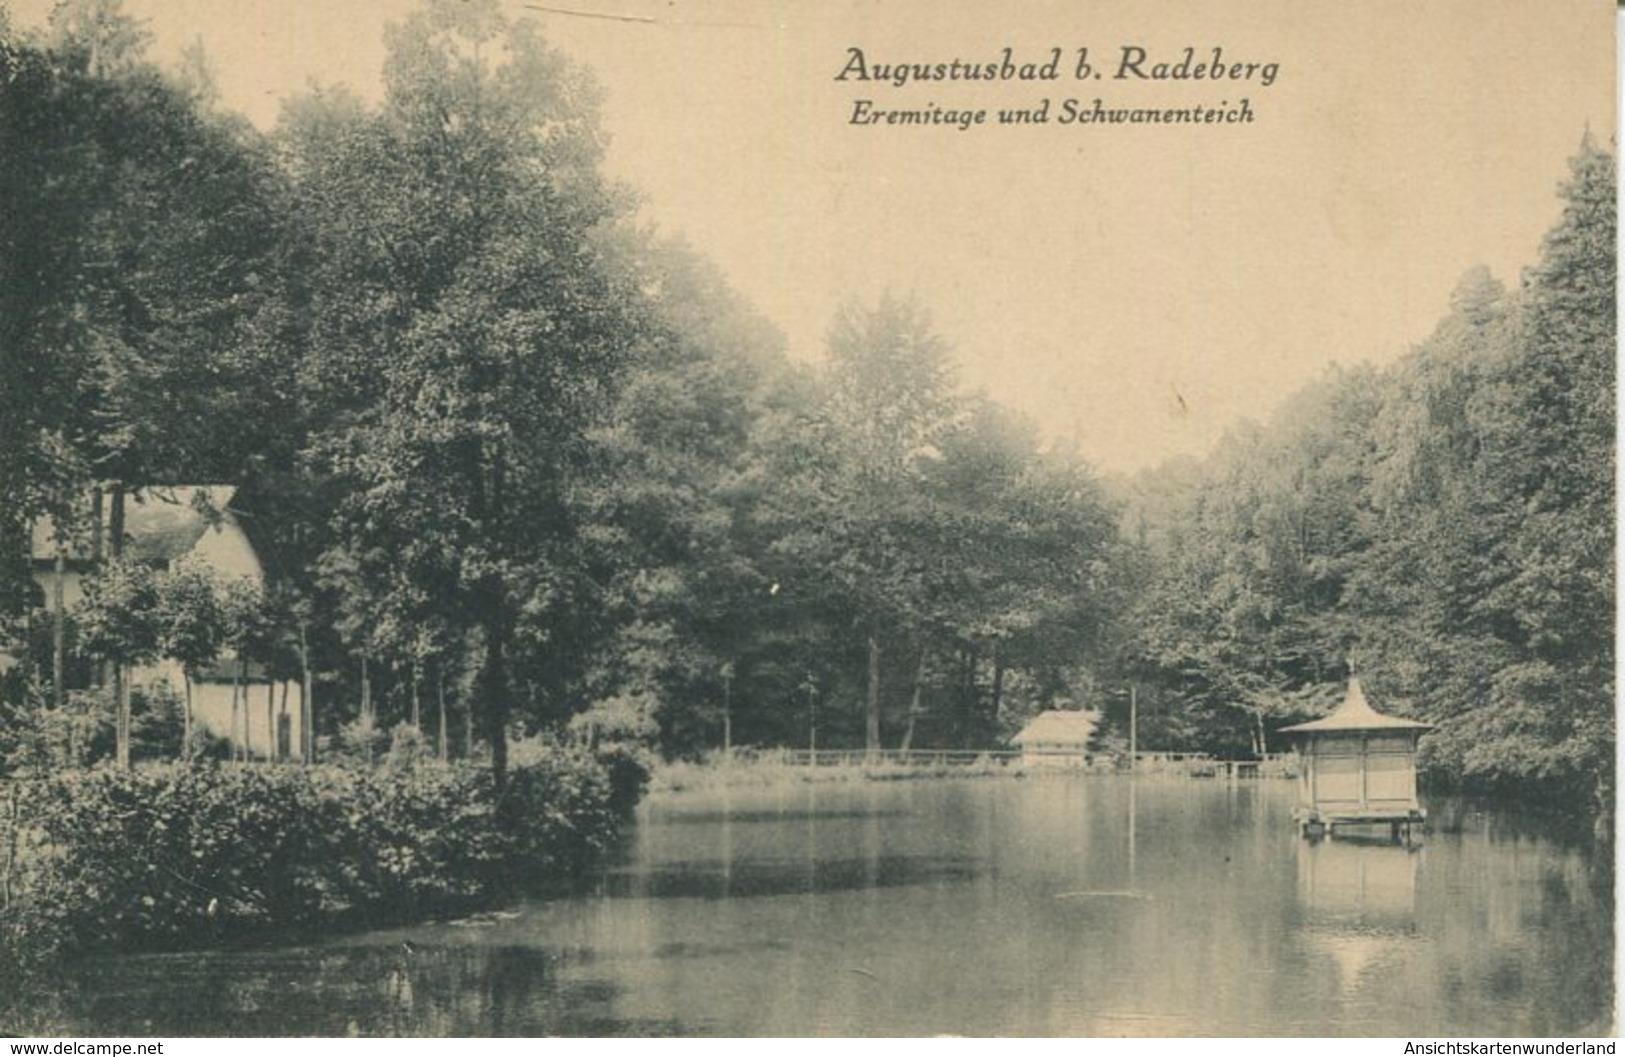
515 463
1443 526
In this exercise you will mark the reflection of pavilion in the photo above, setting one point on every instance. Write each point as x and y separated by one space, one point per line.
1359 902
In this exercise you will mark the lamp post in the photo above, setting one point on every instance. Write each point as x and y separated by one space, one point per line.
1133 806
1133 725
812 720
727 712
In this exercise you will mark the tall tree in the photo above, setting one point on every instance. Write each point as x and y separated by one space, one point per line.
119 619
662 509
135 256
190 628
886 403
463 334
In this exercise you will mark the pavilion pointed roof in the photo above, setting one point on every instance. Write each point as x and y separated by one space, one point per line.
1355 713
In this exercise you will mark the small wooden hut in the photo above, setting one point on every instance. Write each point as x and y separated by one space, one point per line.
1357 766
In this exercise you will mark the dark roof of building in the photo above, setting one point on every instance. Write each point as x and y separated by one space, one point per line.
1355 713
1058 727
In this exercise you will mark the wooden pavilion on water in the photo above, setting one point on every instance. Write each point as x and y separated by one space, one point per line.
1357 767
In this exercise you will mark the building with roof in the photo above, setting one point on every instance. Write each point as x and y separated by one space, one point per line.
164 526
1357 766
1057 738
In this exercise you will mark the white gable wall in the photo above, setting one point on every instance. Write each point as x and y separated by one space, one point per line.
226 550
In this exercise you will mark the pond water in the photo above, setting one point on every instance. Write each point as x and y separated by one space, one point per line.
1056 905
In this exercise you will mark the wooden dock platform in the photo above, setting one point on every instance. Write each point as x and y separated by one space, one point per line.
1315 822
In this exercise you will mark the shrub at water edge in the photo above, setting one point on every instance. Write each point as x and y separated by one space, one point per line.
199 854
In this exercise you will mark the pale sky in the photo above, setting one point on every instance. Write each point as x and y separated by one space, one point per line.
1137 287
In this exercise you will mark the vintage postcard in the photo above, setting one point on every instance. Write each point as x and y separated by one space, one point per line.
757 518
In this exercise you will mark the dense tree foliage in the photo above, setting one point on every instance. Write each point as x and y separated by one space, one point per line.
462 335
524 464
135 256
514 465
1445 527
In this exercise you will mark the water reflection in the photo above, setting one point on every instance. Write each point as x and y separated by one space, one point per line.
1352 884
1359 901
1061 905
747 816
723 878
372 990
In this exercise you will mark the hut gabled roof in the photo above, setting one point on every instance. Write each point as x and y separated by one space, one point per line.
1057 727
161 524
1355 713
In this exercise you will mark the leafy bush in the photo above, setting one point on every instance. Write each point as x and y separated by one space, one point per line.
157 722
40 737
194 854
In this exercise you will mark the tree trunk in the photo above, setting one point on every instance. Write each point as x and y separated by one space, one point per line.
59 627
998 692
121 681
440 691
76 751
366 719
727 717
417 705
968 689
270 719
307 732
871 729
11 827
115 523
812 727
98 554
121 697
490 507
186 716
242 681
914 702
494 699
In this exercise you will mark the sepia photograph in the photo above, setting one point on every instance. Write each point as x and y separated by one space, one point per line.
808 518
